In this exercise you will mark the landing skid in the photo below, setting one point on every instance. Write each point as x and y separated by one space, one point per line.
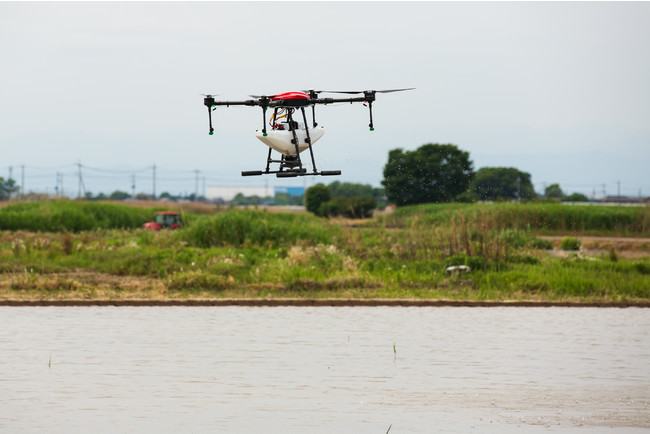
290 173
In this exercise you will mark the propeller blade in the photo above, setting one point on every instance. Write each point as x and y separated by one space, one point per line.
351 92
209 95
394 90
263 96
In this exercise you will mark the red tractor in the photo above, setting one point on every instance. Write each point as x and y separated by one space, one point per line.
164 220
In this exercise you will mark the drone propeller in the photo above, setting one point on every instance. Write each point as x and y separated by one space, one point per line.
312 93
352 92
263 96
209 95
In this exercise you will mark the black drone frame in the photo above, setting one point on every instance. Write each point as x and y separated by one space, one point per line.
291 166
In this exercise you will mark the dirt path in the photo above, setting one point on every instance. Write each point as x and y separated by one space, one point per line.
322 303
625 247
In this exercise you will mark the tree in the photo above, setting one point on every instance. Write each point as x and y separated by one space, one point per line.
287 199
492 183
431 173
348 189
119 195
7 188
576 197
553 191
315 196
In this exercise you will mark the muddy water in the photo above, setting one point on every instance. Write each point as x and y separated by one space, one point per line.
324 369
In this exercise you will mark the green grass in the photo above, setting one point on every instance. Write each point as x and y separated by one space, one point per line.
58 216
247 227
260 254
545 218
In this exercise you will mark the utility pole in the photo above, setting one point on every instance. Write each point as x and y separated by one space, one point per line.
81 182
203 189
133 186
196 187
59 185
11 170
153 196
618 183
518 189
22 181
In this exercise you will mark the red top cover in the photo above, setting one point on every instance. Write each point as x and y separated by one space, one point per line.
291 95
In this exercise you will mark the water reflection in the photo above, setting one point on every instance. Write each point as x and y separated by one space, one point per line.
323 370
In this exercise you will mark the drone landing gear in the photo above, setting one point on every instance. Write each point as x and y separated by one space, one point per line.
291 165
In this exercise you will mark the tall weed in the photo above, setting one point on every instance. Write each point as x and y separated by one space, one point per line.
248 227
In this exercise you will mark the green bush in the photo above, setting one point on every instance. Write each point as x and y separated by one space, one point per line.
351 207
541 244
570 243
235 228
315 196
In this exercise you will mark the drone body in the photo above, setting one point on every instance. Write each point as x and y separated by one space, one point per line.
290 136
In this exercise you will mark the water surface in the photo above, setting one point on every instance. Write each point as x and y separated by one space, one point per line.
324 369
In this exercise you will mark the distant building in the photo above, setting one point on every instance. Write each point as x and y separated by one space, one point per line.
228 193
291 191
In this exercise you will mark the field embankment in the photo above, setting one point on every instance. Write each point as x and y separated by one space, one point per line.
248 254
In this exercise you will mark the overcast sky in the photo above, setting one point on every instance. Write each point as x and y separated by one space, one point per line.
559 90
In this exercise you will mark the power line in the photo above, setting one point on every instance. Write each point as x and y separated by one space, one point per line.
97 169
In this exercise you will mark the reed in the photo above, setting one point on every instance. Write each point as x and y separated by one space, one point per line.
248 227
543 217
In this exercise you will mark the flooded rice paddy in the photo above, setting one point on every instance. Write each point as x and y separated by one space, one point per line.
324 369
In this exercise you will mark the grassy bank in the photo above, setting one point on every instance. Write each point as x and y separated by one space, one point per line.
255 254
538 217
64 215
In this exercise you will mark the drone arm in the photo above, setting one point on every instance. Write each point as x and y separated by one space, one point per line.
338 100
250 103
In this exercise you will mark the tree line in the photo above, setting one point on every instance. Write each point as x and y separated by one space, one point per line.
444 173
433 173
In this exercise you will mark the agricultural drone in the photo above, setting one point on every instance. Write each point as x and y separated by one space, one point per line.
290 136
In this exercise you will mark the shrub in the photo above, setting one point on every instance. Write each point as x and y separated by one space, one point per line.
315 196
570 243
541 244
351 207
236 228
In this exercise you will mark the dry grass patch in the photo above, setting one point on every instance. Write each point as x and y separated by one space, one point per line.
78 284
